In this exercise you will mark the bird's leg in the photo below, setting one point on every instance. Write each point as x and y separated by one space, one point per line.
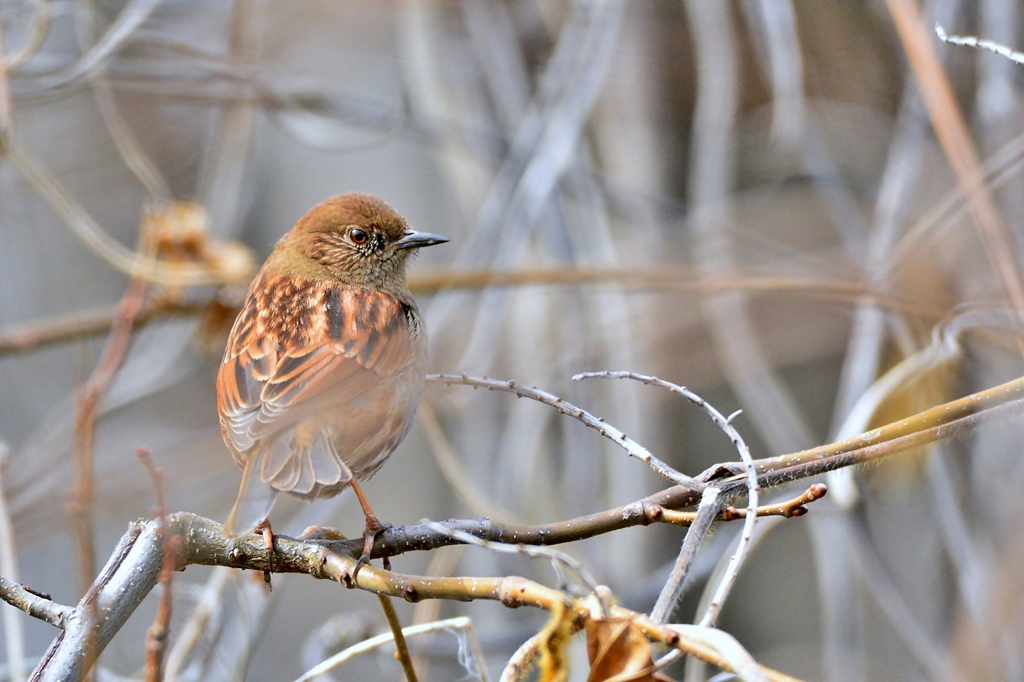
373 524
263 527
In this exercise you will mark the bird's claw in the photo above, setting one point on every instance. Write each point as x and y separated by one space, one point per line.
263 528
374 527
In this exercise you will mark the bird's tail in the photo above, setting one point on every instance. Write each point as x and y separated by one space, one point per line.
255 499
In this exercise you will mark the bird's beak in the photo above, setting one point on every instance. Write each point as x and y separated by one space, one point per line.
414 240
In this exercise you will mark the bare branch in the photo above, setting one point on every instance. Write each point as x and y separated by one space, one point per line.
460 623
556 557
633 448
34 605
981 43
402 649
159 631
710 503
96 386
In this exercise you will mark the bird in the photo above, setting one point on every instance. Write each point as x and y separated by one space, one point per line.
325 365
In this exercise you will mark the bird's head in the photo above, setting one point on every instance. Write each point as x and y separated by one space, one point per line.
354 238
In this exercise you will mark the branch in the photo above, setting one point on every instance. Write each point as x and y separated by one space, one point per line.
99 382
23 338
134 571
753 494
26 337
613 434
35 605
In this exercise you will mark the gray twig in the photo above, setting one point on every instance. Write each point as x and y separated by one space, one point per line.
607 430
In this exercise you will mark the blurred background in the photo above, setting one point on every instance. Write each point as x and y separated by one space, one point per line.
750 198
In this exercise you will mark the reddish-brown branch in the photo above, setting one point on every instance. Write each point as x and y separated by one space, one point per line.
156 636
96 386
85 424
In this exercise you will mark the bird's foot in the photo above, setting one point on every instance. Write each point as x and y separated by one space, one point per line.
263 528
373 527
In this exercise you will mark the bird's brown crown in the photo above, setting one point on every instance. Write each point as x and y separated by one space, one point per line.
349 238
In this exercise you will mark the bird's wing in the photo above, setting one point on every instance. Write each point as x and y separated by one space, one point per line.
273 377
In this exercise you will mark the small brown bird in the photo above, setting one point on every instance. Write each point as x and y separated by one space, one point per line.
324 367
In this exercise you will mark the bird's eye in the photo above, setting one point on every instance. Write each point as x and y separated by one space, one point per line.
358 236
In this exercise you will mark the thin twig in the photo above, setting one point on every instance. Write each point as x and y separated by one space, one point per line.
753 489
710 503
788 509
972 41
206 615
159 630
460 623
95 387
34 605
83 496
613 434
554 556
401 647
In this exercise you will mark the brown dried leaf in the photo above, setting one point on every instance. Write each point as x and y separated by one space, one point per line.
619 652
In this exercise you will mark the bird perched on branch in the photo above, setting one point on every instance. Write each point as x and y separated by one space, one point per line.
324 367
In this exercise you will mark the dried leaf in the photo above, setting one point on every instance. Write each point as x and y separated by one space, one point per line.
619 652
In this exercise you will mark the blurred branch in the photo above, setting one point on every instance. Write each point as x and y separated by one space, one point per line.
26 337
474 498
102 245
132 153
40 29
128 21
460 623
95 387
5 96
957 144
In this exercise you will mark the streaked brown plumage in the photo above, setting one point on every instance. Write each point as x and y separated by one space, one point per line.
324 367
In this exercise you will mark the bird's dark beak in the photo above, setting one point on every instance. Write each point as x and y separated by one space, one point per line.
414 240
